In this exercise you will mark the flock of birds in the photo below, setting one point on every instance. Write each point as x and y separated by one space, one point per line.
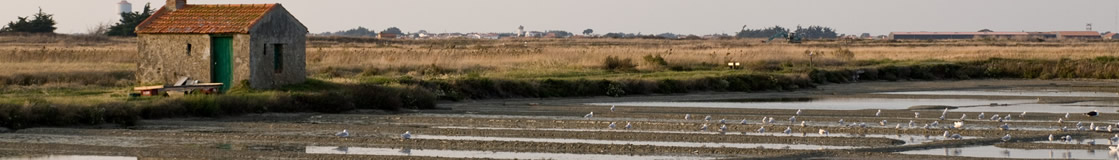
346 133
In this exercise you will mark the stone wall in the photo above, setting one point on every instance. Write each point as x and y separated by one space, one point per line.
278 27
164 58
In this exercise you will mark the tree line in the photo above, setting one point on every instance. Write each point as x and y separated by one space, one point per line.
812 32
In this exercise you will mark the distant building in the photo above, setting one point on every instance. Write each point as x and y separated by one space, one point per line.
1111 36
125 7
954 35
386 35
1078 35
261 44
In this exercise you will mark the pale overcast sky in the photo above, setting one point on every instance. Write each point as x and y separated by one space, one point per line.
645 16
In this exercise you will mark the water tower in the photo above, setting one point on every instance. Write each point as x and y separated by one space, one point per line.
125 7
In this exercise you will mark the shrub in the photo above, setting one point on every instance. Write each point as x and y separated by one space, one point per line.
615 64
656 61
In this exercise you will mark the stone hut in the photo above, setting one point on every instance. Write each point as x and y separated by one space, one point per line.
262 44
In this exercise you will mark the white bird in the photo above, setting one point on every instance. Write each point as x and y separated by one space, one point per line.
916 114
343 133
628 126
963 117
1114 148
765 120
1091 142
1114 139
883 123
926 126
956 136
958 124
1068 138
743 121
1066 114
761 130
823 132
611 108
945 133
798 112
935 123
612 125
793 119
1050 137
1092 125
1108 128
704 127
1060 120
1064 128
1023 115
1004 127
879 113
898 126
803 124
723 121
911 124
841 122
1006 138
771 120
723 128
945 111
708 118
995 117
981 115
1078 124
687 116
787 130
406 135
589 115
862 124
1006 117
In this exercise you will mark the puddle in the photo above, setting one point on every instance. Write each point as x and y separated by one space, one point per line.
652 143
1075 108
1024 93
995 152
908 138
476 153
68 157
826 103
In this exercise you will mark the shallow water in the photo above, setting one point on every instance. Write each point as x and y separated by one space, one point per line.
966 105
996 152
476 153
652 143
1023 93
908 138
68 157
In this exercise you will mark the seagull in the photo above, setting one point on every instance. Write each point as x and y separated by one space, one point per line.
1078 124
723 128
956 136
883 123
1066 114
343 133
1093 113
1006 117
612 125
862 124
723 121
704 127
963 117
1092 142
911 124
1108 128
611 108
1064 128
1092 125
898 126
765 120
793 119
798 112
916 114
879 113
958 124
589 115
1050 137
841 122
945 133
406 135
743 121
824 132
761 130
926 126
981 115
803 124
788 130
1114 139
708 118
935 123
995 117
1004 127
771 120
628 126
1060 120
1006 138
687 116
1023 115
1068 138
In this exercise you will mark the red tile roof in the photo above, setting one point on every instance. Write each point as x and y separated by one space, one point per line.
1078 33
205 19
959 33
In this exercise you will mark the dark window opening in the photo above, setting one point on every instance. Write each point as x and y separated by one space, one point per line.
278 58
189 47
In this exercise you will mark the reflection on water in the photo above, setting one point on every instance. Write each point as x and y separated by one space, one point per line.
996 152
966 105
1024 93
476 153
652 143
68 157
908 138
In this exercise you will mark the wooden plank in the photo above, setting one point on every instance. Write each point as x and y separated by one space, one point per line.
147 88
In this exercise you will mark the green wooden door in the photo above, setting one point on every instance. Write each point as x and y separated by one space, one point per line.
221 65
